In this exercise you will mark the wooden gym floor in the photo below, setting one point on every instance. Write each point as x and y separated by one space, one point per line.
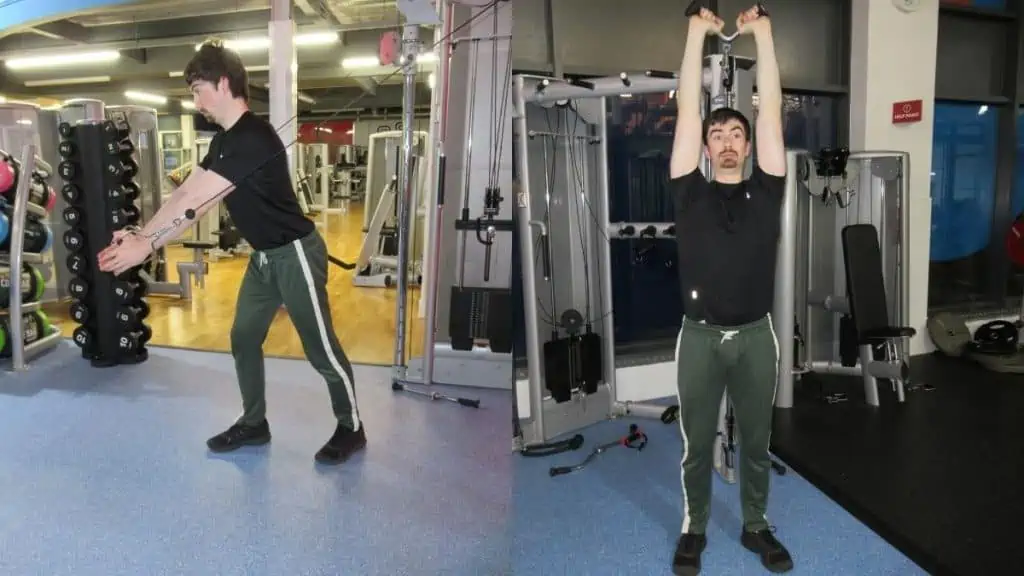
364 318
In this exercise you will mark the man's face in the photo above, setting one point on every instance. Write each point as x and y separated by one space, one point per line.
207 97
727 145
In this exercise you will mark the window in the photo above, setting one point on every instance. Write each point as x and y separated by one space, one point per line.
963 192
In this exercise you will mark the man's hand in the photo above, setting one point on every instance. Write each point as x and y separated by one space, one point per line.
750 21
118 258
706 22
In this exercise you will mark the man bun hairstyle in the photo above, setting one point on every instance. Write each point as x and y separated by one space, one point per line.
722 116
214 61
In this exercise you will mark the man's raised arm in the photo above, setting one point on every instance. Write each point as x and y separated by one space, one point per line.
688 141
771 148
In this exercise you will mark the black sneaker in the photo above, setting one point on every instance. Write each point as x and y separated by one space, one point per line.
686 561
774 555
344 443
240 435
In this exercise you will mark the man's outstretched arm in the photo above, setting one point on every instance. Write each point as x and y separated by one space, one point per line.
687 145
771 147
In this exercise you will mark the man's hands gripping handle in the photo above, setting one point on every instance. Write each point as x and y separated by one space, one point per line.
702 18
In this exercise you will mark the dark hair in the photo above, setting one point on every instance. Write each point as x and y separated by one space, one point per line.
722 116
212 62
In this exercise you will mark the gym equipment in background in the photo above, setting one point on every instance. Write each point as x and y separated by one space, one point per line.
636 440
33 285
97 159
35 326
377 265
400 378
26 198
994 343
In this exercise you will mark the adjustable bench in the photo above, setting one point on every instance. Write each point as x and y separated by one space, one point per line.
865 287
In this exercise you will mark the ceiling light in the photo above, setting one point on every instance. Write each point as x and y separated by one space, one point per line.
361 62
181 73
70 59
257 43
431 81
67 81
316 38
145 97
324 129
188 105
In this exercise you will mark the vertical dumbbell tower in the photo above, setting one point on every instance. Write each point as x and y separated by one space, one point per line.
98 172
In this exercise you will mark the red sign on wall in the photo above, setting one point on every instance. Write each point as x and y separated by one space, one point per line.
907 111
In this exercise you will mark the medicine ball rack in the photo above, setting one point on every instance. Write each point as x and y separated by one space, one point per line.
21 316
98 168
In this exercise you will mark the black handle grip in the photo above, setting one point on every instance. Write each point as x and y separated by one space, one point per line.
470 403
442 161
559 470
546 255
694 8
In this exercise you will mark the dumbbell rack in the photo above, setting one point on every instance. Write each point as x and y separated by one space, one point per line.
99 170
17 258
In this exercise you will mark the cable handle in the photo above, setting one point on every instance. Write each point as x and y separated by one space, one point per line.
697 5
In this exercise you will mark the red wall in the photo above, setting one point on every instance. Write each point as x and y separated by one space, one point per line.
336 137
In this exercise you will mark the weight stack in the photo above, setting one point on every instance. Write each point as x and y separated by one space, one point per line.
99 170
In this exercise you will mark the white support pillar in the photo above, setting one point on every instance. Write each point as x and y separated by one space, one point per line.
892 60
284 89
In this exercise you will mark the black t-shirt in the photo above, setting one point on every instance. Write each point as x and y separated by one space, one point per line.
728 236
263 205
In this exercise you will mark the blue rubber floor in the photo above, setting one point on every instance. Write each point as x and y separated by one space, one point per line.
106 472
622 515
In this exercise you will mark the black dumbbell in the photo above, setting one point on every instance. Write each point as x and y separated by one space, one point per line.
145 334
117 148
77 263
124 291
132 215
66 149
118 219
130 341
132 191
71 193
79 312
65 130
78 288
82 336
67 170
73 240
126 169
131 315
72 216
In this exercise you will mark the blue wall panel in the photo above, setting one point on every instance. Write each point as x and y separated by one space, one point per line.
963 180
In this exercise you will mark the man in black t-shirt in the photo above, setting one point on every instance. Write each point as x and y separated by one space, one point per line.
727 231
247 168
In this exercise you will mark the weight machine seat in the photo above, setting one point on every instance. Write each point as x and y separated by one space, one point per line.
865 286
199 245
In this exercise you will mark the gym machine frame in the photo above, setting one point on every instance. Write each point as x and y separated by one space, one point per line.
417 13
726 84
20 353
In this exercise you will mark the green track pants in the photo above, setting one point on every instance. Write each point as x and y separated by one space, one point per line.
710 360
294 275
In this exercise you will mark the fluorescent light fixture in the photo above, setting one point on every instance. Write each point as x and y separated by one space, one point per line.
257 43
305 98
324 129
431 80
188 105
145 97
56 60
361 62
351 131
250 69
67 81
374 61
